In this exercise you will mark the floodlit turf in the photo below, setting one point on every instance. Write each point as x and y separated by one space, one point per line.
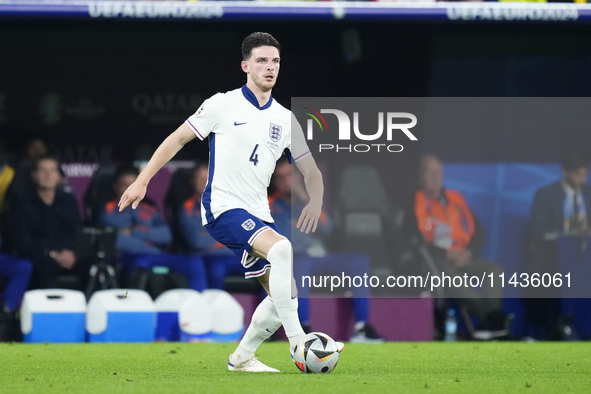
390 368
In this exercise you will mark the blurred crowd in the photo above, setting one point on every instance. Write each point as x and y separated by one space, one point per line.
44 243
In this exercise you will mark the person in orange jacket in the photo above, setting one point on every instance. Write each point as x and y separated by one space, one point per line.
455 239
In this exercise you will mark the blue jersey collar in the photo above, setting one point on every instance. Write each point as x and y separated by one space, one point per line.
249 95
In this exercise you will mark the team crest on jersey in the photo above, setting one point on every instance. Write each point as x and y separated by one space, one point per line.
248 225
275 132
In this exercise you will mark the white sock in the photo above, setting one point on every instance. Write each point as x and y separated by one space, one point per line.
265 321
282 287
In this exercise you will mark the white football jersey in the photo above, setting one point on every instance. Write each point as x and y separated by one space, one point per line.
245 142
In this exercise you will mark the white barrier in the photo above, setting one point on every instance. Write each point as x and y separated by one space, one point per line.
167 308
228 316
121 315
195 319
53 315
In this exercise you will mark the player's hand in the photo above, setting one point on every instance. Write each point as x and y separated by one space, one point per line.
134 194
308 220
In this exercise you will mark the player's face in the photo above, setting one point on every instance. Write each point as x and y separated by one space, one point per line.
576 179
432 177
123 183
263 67
47 175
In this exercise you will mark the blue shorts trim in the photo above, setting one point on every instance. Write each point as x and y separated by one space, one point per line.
238 230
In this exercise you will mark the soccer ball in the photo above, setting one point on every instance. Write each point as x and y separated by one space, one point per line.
316 353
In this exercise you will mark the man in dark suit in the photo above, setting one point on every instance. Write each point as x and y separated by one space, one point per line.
559 209
46 221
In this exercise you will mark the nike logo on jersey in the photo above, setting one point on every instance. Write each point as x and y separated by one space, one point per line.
269 330
239 124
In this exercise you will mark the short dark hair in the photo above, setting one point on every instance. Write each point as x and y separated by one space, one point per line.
574 160
258 39
124 171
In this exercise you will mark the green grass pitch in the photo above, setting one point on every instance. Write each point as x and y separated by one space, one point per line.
467 367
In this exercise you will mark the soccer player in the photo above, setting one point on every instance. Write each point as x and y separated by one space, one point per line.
248 132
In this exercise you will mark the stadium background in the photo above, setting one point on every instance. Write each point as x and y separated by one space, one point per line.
100 89
110 90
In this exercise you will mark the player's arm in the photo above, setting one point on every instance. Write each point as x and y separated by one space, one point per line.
308 220
165 152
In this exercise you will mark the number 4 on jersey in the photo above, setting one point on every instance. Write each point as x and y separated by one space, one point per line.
254 157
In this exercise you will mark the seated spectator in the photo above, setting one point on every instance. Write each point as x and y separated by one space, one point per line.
35 149
6 176
144 236
310 256
18 273
455 238
45 224
219 260
559 208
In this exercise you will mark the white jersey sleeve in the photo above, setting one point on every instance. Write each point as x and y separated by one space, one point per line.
207 117
297 144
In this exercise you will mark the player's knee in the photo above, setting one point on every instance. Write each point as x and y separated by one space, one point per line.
284 238
283 243
280 252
